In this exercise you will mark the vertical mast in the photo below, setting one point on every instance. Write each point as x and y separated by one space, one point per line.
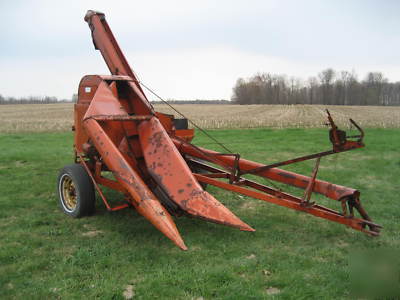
104 40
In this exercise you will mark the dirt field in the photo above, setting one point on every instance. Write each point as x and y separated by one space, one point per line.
59 117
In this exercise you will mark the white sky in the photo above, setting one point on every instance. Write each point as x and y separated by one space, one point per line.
195 49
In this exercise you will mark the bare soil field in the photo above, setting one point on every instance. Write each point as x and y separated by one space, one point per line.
59 117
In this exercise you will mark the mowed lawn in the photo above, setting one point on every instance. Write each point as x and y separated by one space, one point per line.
45 254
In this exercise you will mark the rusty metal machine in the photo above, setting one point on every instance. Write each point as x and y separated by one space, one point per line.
122 143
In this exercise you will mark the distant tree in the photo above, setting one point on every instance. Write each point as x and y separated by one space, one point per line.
327 77
345 79
374 82
329 88
240 92
312 91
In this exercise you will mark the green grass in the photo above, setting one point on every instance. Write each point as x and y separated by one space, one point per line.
45 254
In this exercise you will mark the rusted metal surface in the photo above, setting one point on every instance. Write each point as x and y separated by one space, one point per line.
153 162
104 40
280 198
120 118
171 172
141 196
327 189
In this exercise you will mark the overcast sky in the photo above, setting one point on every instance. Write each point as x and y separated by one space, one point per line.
195 49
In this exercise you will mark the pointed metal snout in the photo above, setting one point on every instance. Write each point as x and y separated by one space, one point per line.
205 206
168 168
153 211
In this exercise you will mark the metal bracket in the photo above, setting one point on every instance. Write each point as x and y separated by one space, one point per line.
308 191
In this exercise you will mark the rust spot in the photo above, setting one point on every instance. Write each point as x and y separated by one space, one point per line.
184 204
196 193
155 139
180 191
188 184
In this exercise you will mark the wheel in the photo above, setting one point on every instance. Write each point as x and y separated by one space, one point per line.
75 191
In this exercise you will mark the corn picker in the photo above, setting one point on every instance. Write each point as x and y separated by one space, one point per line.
159 171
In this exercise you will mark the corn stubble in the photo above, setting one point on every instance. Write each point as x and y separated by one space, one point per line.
59 117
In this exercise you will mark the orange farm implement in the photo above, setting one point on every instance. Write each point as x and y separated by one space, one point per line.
161 173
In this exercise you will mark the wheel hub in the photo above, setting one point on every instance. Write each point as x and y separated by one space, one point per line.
69 193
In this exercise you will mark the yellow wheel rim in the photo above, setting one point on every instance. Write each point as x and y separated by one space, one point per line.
68 192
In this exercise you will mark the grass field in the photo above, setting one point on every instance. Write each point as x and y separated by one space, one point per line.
59 117
45 254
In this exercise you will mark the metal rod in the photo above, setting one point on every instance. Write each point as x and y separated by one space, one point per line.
310 186
288 162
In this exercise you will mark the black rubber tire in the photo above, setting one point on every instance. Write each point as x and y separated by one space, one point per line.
84 191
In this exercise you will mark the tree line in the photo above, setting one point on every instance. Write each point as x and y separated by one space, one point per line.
197 101
328 88
32 100
48 100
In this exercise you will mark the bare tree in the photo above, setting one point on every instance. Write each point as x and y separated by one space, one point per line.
342 88
327 77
